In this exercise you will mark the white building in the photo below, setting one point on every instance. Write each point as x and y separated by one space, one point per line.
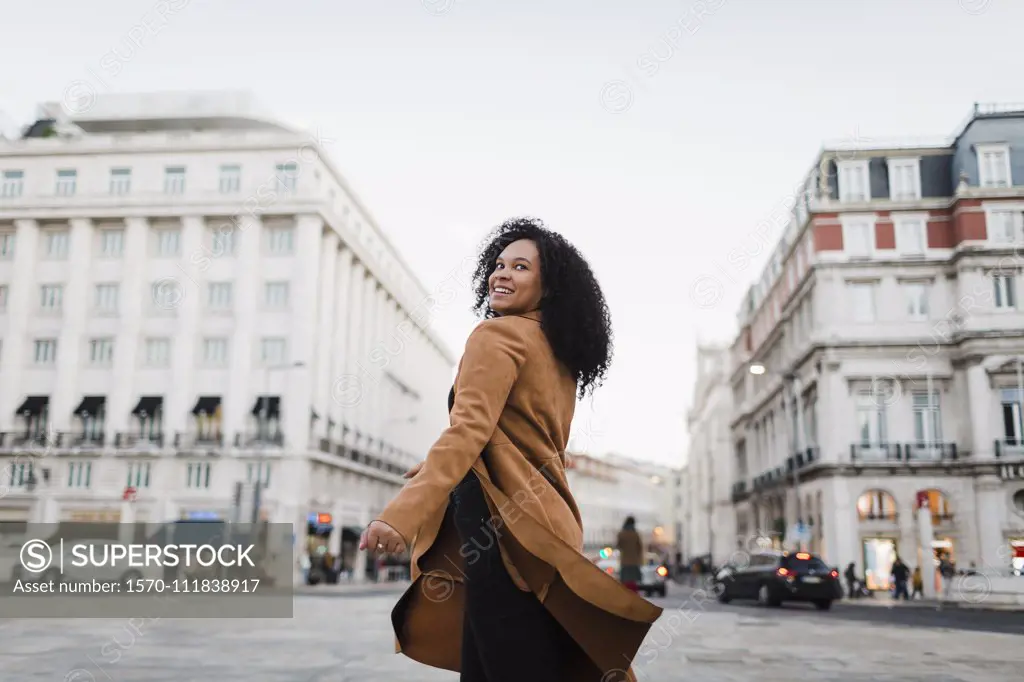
608 489
709 527
167 262
888 324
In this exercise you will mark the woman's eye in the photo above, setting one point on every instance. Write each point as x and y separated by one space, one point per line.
521 266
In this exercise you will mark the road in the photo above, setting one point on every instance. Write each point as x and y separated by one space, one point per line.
348 637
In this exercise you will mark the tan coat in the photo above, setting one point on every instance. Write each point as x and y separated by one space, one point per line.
631 548
513 406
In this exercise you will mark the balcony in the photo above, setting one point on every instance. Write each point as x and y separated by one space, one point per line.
20 439
199 441
739 491
138 440
930 452
1009 448
259 438
83 440
908 453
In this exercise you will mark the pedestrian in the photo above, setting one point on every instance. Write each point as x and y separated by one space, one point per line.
851 580
631 555
900 574
947 569
501 588
918 582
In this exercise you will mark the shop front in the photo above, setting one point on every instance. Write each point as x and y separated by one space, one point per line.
1017 556
879 554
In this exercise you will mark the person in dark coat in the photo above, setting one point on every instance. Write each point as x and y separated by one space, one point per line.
631 554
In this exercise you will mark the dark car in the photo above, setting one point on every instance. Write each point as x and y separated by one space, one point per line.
776 577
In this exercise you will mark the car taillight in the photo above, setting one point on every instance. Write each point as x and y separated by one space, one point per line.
803 556
662 571
835 574
610 571
783 571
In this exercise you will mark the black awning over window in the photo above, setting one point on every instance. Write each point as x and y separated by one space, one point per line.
270 403
148 406
91 406
34 405
207 404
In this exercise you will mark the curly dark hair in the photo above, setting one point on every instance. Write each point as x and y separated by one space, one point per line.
574 314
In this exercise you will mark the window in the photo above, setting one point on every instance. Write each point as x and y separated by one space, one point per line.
120 181
168 242
871 421
927 418
197 475
45 351
858 236
3 298
12 184
111 243
904 179
258 472
138 475
276 295
917 300
215 352
219 296
1005 226
854 181
174 180
79 474
230 179
287 174
7 240
876 505
1004 289
279 240
222 239
101 352
911 234
1013 426
272 351
21 472
993 165
66 181
157 352
57 244
862 301
51 297
106 298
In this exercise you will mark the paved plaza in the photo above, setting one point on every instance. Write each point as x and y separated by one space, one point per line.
338 637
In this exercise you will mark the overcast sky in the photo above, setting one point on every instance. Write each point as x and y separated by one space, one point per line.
654 134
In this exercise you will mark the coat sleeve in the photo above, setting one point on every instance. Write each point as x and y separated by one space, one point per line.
495 352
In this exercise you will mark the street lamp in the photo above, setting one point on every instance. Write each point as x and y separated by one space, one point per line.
795 439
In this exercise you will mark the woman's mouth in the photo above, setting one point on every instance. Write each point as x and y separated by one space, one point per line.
501 291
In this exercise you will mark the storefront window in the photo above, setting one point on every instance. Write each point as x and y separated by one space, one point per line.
876 505
879 556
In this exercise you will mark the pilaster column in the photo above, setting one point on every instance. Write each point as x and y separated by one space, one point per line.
17 351
326 332
371 380
354 384
298 385
181 396
359 570
980 405
243 386
72 344
990 496
341 346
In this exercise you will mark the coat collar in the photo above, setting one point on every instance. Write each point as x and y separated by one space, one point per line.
532 315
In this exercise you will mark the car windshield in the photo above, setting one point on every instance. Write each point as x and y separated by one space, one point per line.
804 563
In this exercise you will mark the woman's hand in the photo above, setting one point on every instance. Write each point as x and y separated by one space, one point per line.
380 538
415 470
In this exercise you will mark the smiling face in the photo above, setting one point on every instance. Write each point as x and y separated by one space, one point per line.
515 284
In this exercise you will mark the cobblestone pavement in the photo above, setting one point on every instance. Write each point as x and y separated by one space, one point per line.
338 638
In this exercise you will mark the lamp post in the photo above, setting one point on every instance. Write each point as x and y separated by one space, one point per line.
795 434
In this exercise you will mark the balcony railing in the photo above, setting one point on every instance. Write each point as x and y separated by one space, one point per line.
20 439
135 439
264 438
930 452
84 440
199 440
1009 447
876 452
739 490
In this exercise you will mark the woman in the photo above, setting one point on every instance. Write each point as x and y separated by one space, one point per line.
502 590
631 554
